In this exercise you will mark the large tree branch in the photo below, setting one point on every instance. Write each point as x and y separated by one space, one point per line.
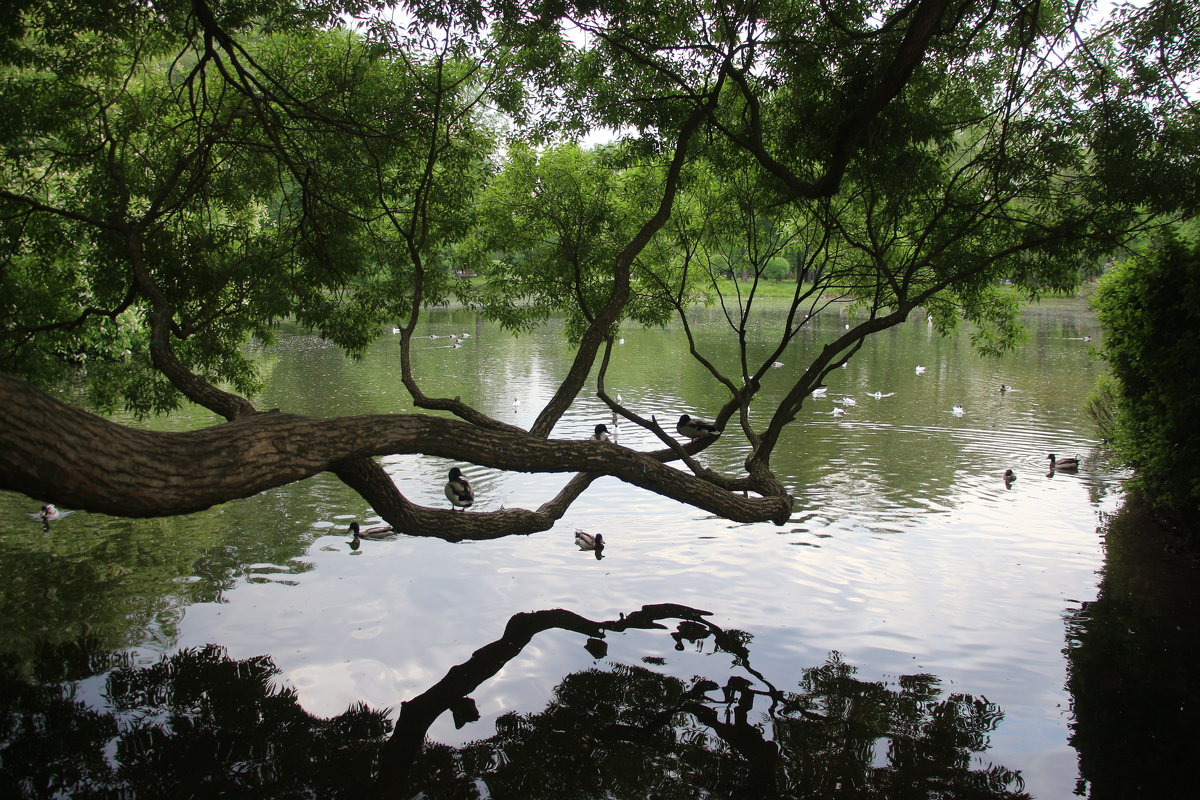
51 451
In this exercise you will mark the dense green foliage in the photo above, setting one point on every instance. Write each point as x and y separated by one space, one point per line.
1150 309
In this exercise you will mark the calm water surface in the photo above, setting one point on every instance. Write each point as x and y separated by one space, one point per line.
905 554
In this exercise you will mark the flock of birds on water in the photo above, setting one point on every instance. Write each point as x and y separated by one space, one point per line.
461 496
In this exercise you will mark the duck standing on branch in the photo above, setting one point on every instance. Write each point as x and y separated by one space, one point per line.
601 434
587 541
458 491
695 429
1064 464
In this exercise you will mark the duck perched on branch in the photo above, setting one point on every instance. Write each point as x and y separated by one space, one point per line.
458 490
695 429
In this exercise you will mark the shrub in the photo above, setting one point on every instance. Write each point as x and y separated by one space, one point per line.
1150 310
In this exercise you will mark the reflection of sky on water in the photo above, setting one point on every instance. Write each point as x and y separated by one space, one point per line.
905 552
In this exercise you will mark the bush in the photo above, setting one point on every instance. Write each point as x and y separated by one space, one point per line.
1150 310
777 268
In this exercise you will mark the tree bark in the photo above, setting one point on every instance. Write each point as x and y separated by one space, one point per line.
57 453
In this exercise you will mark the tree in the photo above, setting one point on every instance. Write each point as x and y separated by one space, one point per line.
205 170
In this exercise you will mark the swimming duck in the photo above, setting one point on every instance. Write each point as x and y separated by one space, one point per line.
601 434
849 401
1064 464
695 429
49 513
1003 388
1009 477
920 370
839 412
378 532
957 411
820 391
881 395
587 541
776 364
458 491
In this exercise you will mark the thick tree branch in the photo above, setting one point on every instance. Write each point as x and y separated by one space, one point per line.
51 451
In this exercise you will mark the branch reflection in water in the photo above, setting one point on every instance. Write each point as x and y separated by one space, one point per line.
199 723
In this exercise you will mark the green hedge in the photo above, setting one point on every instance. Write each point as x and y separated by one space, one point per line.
1150 310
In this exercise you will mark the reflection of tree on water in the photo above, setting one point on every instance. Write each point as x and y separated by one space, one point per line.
201 724
1132 666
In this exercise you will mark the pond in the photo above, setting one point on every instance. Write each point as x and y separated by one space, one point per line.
910 572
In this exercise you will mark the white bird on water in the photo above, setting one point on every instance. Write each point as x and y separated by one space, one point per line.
920 370
957 411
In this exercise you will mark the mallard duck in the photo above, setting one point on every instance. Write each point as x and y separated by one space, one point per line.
1064 464
695 429
1003 388
587 541
458 491
378 532
601 434
1009 477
